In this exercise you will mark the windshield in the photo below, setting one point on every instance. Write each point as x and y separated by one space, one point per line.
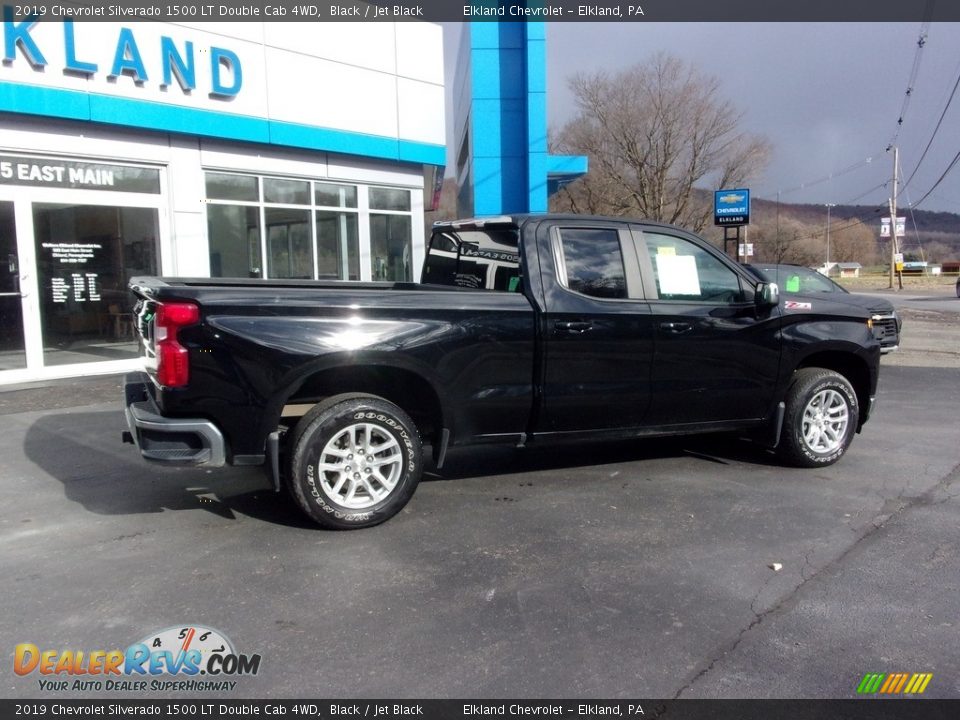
793 279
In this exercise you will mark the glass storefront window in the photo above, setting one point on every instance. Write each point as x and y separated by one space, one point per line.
221 186
391 247
289 243
320 241
86 255
286 192
233 233
335 195
389 199
338 246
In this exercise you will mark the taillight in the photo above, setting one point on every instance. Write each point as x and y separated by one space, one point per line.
173 361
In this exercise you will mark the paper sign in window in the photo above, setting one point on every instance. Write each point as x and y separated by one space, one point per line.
677 275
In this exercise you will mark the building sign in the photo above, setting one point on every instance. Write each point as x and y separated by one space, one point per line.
211 79
885 227
123 54
70 281
731 207
78 287
50 172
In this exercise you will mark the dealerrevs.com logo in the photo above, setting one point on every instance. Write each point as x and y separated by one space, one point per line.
177 659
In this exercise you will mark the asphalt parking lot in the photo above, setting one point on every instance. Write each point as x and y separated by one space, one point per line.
628 570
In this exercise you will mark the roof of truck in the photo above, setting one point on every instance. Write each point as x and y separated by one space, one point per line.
520 219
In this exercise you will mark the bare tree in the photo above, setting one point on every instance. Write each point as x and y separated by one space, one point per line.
658 136
793 242
854 241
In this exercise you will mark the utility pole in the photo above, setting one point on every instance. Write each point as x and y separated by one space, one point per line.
893 218
829 205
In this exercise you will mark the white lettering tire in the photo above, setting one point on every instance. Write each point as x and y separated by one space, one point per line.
821 418
355 461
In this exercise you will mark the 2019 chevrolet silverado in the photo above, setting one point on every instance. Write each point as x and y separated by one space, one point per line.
524 329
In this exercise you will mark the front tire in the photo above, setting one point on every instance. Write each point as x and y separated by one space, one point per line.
355 462
821 418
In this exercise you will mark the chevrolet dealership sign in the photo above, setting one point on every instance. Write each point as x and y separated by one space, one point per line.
731 207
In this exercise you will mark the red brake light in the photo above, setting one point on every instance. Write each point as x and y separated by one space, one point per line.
178 314
173 359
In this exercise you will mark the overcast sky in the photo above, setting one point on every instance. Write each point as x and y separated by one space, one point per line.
827 95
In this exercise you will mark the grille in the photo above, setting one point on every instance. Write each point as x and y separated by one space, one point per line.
885 329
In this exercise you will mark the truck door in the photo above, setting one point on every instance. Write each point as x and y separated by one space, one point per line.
716 356
597 338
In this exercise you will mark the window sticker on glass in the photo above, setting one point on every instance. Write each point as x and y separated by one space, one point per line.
677 275
666 250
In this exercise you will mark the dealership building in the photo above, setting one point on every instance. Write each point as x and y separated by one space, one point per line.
235 150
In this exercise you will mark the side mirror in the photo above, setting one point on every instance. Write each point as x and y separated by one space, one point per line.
768 295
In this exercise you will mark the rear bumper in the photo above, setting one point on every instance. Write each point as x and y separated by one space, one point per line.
172 441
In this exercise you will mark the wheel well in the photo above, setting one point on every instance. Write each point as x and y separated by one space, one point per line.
403 388
850 366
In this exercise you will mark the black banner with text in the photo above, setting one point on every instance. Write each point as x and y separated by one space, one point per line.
491 10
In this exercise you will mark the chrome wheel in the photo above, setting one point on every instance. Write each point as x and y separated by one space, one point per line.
360 466
825 420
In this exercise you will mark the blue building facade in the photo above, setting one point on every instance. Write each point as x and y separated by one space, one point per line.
500 122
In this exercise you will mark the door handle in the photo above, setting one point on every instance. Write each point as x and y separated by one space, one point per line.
573 328
676 328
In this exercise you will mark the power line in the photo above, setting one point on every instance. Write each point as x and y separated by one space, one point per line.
913 221
833 229
935 131
831 176
956 158
914 70
866 192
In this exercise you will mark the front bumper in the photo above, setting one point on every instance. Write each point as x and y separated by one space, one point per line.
172 441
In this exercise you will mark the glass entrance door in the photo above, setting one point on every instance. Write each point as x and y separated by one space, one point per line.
86 255
12 348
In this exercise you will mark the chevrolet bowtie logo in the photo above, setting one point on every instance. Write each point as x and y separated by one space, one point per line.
732 198
894 683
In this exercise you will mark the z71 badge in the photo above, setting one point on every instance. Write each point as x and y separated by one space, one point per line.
795 305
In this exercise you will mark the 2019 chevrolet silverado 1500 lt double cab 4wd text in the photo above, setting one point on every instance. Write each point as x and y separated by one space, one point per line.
524 329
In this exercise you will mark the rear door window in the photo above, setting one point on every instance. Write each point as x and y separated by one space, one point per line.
592 262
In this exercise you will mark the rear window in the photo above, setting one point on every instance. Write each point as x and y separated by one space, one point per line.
478 258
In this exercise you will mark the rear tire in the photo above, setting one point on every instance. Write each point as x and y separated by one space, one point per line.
820 420
355 462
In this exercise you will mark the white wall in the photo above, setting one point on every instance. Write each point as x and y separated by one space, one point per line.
383 79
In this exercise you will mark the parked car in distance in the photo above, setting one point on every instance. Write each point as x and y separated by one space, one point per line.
803 281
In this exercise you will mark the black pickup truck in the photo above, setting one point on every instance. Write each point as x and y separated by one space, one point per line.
524 329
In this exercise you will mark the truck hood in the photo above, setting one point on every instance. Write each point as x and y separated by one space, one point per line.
835 303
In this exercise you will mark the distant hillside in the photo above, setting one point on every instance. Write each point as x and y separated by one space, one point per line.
930 235
796 232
